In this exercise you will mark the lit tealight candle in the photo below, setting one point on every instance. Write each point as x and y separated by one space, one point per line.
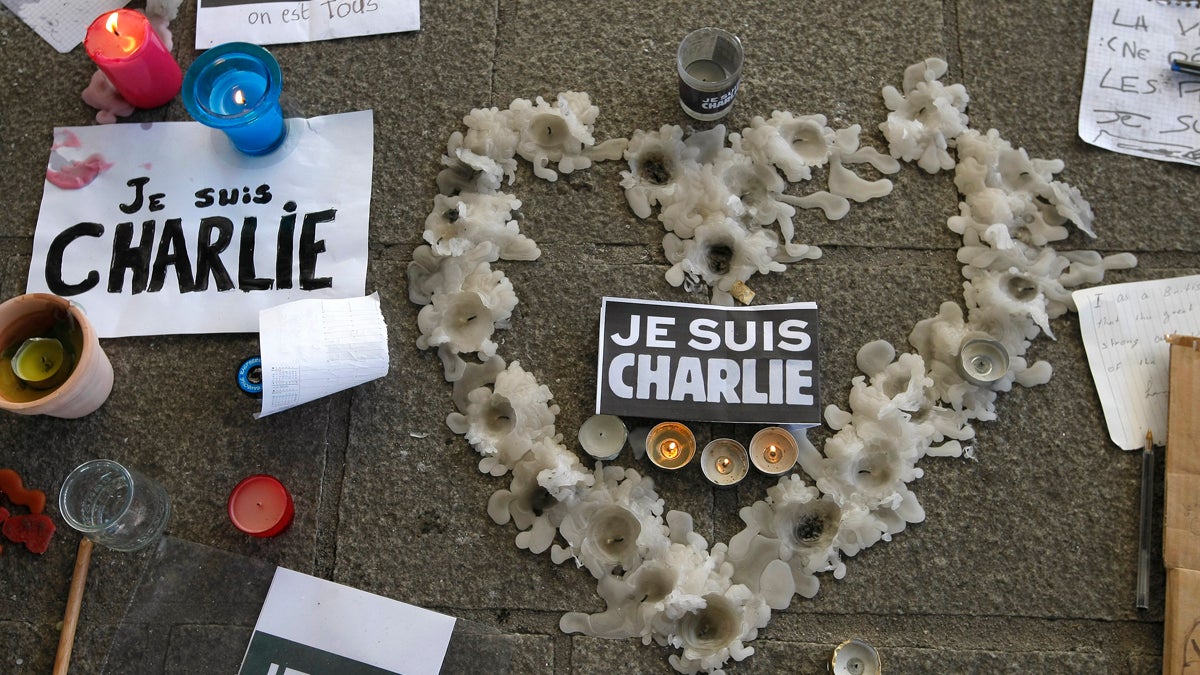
40 362
130 54
235 87
603 436
724 462
670 445
774 450
261 506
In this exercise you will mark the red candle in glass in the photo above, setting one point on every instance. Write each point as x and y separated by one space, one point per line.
261 506
126 48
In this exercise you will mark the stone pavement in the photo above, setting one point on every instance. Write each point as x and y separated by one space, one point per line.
1026 562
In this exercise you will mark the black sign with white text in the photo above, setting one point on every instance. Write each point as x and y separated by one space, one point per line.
669 360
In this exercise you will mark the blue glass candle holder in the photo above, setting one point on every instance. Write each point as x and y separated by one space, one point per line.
235 87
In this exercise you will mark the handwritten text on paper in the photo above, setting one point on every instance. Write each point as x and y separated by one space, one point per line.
1124 329
1132 101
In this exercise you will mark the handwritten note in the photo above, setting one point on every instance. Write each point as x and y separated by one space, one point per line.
1132 101
1124 329
272 22
314 348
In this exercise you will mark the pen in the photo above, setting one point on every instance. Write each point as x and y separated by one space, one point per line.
1143 579
1182 66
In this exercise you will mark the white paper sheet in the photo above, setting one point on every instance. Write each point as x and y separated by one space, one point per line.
314 348
353 624
270 22
1132 102
62 23
297 227
1124 329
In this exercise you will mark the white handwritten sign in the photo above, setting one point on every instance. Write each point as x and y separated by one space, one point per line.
1132 102
165 228
1124 329
272 22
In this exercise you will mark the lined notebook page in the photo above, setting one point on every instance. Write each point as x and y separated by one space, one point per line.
1132 102
1124 329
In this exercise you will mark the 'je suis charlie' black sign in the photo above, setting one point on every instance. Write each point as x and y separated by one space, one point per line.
671 360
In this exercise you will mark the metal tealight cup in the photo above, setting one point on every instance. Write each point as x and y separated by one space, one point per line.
670 445
724 462
855 657
982 360
774 450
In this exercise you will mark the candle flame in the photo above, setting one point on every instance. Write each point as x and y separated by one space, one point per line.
773 454
125 42
238 97
724 465
669 450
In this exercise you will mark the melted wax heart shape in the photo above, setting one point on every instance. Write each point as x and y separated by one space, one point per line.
727 218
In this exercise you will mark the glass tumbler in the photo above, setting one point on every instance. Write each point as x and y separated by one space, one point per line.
113 506
709 62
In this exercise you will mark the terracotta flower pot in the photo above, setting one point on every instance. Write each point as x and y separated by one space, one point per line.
90 381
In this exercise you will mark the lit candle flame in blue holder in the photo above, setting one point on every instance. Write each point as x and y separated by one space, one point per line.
235 87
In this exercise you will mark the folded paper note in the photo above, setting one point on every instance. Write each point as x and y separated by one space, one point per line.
1124 329
314 348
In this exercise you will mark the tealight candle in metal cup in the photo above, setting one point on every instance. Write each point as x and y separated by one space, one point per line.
724 462
670 445
774 450
982 360
603 436
855 657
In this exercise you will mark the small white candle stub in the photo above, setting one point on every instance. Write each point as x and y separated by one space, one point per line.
603 436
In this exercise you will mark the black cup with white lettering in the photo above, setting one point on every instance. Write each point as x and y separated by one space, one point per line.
709 62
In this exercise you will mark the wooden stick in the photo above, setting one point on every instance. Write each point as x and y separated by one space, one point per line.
66 639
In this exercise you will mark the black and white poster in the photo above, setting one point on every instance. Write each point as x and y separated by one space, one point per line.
670 360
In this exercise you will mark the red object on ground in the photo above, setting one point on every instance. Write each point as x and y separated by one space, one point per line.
124 45
33 530
261 506
10 484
